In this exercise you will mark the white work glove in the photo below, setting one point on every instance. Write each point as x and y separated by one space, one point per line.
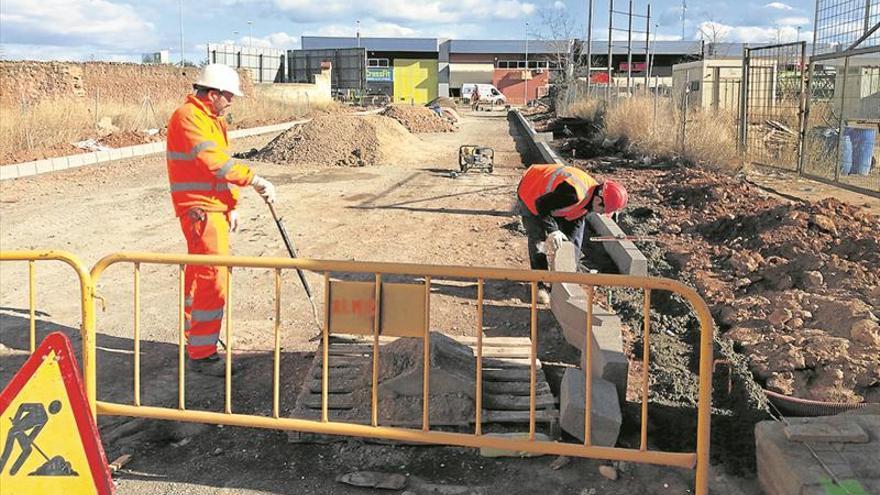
541 247
264 188
555 239
232 216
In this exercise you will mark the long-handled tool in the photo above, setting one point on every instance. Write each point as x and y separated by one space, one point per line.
624 238
291 249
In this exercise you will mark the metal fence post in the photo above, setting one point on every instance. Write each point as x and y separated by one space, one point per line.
841 122
804 106
744 102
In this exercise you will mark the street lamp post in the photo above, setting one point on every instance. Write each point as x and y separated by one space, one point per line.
180 19
250 34
526 72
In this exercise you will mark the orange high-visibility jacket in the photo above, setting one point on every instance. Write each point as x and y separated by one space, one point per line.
542 179
201 169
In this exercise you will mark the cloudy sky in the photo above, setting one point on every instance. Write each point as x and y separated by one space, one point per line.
123 29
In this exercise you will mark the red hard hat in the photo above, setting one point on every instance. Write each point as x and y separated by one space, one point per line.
614 196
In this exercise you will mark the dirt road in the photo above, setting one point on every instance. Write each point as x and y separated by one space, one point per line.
408 211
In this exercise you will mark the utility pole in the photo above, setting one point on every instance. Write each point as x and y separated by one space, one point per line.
180 19
250 34
684 9
589 44
610 32
629 52
648 48
526 72
357 31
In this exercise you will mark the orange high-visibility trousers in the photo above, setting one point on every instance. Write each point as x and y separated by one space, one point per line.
206 232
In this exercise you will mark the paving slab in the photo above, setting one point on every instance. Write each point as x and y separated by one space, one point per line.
847 445
605 418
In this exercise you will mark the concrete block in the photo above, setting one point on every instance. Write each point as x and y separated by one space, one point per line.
803 430
25 169
565 259
627 257
73 161
102 156
61 163
89 158
788 467
115 154
605 417
126 152
8 172
43 166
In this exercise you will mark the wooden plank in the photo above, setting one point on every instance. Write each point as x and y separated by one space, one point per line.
541 415
507 402
363 351
515 388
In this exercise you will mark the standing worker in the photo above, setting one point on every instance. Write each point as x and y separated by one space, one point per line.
554 201
204 190
475 98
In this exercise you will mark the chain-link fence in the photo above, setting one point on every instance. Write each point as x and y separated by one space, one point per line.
772 104
843 109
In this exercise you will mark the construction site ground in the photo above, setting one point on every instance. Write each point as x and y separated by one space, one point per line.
410 209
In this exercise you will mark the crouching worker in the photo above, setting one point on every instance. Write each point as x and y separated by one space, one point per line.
204 179
554 201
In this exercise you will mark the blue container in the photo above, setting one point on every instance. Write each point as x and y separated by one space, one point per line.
862 148
846 155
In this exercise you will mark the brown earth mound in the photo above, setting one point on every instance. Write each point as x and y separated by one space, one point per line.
341 140
794 285
418 119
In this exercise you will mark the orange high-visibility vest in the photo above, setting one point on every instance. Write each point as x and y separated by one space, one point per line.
542 179
201 170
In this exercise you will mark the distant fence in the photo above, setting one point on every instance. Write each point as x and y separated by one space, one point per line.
266 65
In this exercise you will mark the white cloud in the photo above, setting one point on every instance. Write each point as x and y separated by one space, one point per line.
748 34
395 11
378 29
779 6
278 40
24 51
75 23
794 21
558 5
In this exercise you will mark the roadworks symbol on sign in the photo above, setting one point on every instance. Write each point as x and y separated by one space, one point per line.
49 443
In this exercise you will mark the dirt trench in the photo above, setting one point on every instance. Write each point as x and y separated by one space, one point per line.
791 284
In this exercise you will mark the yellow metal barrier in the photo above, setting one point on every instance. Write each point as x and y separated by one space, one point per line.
87 293
698 460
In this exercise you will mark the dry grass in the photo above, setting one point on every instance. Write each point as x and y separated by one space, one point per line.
588 109
44 124
709 137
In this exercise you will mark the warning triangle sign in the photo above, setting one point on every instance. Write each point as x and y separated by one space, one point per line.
49 443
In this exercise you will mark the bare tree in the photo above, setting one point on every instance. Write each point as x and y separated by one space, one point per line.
712 33
558 29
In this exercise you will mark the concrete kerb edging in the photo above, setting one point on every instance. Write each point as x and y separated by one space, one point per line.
627 257
18 170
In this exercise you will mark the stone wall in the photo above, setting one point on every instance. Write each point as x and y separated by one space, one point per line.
299 94
107 81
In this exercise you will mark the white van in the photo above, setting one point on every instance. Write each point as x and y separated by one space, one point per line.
488 93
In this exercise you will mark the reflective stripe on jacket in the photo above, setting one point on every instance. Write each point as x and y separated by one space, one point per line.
201 170
542 179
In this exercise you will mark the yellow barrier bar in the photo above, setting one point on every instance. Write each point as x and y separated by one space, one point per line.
276 366
673 459
181 344
588 372
700 458
426 350
325 341
374 393
479 398
533 354
646 350
32 304
87 302
137 334
228 307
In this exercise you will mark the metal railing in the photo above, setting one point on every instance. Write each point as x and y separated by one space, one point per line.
87 300
427 274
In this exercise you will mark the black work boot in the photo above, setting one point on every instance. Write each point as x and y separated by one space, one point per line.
212 365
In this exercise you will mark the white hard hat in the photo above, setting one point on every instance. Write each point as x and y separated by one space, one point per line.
220 77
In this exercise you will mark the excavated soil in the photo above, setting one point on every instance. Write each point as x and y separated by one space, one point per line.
419 119
341 140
